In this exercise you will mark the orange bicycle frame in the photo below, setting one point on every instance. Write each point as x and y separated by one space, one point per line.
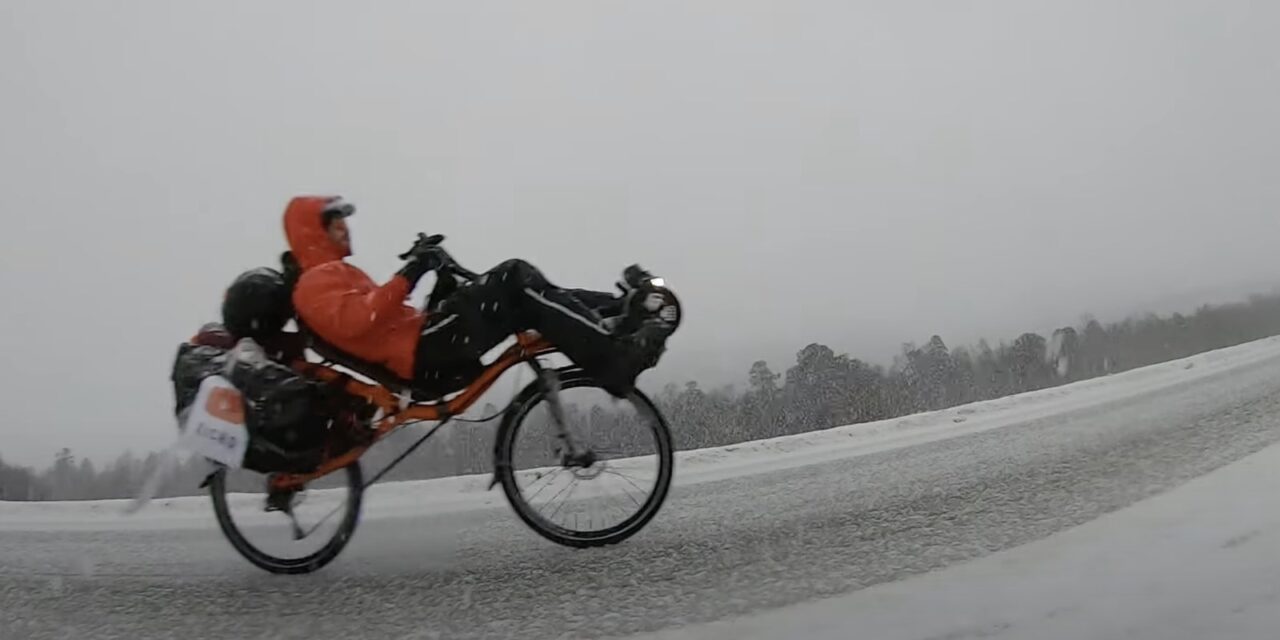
397 412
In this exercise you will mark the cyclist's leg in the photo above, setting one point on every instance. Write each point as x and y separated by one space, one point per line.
465 325
577 330
605 304
515 296
533 302
446 358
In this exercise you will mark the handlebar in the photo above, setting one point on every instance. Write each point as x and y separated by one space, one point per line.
447 263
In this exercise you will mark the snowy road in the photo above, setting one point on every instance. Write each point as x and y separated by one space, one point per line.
1200 561
767 543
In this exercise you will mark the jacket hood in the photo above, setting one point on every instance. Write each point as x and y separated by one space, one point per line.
304 229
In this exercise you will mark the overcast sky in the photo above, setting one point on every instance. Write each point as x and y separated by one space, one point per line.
860 174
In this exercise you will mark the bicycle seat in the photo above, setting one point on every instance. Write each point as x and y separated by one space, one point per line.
382 375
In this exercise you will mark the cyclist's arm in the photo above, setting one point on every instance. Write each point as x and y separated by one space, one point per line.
344 310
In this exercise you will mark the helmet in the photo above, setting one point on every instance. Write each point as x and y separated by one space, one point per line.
257 304
336 207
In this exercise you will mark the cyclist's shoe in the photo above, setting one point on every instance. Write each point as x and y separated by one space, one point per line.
635 277
646 298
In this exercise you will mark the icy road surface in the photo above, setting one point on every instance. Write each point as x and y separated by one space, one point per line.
1200 561
820 521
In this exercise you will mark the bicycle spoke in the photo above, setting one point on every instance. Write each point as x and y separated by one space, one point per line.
624 476
544 487
642 491
572 486
616 502
610 504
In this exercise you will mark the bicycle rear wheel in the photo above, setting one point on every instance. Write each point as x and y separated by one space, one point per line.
607 493
269 539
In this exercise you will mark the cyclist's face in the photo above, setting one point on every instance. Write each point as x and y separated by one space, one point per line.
340 234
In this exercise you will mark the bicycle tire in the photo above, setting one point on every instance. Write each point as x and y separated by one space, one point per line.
529 398
306 564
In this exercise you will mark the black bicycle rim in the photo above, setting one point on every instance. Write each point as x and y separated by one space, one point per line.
305 564
530 398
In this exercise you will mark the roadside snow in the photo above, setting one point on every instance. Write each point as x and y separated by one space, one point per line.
701 465
1200 561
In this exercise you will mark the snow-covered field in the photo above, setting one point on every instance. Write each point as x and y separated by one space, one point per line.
1199 562
464 493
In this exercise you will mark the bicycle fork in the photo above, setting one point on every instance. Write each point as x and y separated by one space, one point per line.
570 454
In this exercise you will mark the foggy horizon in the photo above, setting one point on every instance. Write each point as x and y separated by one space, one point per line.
850 174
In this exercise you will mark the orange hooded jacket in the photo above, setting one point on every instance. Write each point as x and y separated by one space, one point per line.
341 303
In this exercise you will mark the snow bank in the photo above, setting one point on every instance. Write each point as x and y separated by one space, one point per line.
703 465
1199 561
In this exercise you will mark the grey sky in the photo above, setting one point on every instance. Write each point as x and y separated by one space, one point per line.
855 173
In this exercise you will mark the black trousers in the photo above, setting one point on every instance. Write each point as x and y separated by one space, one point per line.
512 297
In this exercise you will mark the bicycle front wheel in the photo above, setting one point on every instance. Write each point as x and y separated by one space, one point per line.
609 486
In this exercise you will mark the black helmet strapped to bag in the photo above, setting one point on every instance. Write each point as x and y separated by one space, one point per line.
258 304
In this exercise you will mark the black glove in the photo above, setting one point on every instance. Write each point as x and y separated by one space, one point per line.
413 270
446 285
424 256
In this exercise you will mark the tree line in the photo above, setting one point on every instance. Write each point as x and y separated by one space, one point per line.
820 389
